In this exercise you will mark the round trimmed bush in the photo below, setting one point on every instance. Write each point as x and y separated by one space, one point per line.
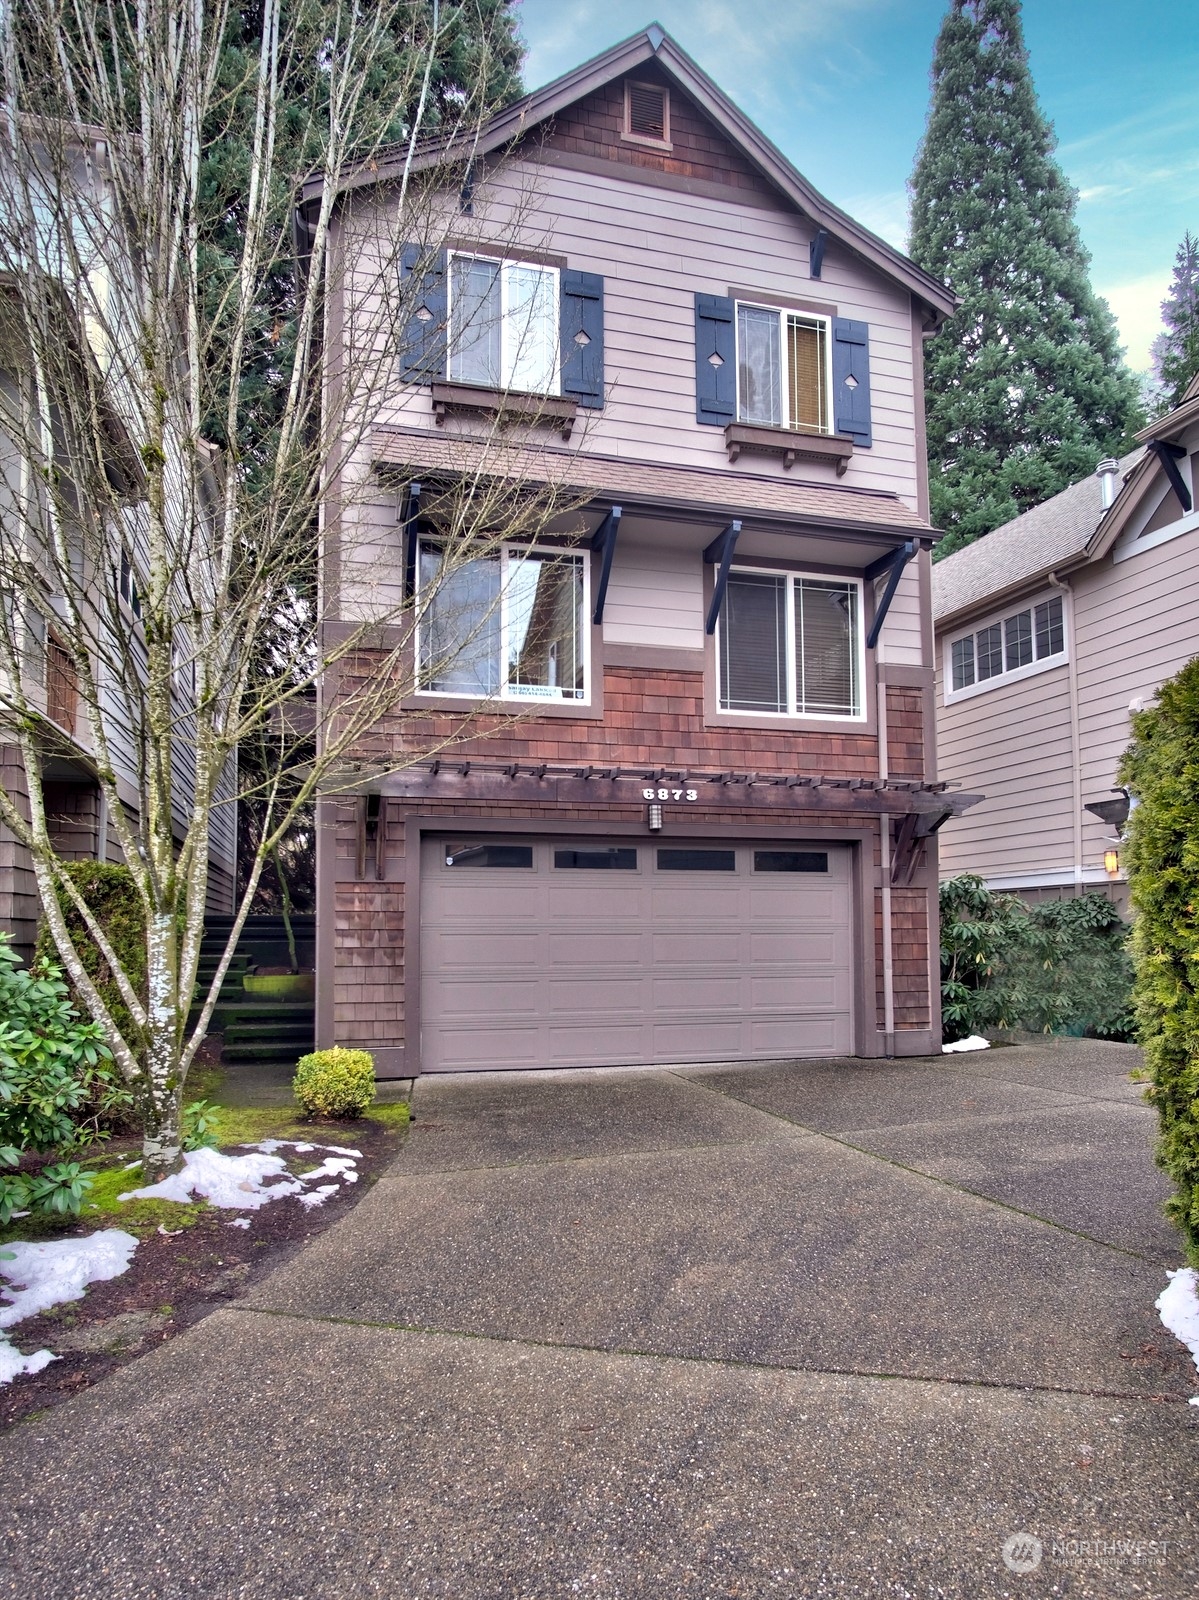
335 1083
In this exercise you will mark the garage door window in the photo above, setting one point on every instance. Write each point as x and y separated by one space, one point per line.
697 861
508 625
614 860
489 855
791 645
790 860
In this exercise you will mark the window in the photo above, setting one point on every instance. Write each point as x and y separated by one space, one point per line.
612 859
697 861
127 585
790 645
508 624
504 324
783 375
490 855
1023 640
790 860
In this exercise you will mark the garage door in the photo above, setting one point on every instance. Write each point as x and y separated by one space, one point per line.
538 953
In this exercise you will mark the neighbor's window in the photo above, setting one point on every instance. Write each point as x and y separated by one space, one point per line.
791 645
1034 634
504 324
508 625
783 377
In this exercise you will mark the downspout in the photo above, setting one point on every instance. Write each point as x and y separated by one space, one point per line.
880 690
1067 593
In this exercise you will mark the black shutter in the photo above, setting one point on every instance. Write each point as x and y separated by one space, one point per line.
582 323
425 339
715 360
851 380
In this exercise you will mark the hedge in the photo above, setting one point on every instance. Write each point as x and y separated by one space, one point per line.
1161 771
112 896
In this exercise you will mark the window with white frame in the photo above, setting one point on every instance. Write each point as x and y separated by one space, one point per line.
791 645
510 624
504 324
784 373
1025 639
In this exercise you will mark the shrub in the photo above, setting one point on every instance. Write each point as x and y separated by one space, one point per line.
335 1083
1061 966
1161 770
53 1068
111 895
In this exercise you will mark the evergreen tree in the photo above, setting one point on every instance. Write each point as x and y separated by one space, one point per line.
1025 386
1176 350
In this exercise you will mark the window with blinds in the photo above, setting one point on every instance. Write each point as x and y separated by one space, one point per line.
782 369
791 645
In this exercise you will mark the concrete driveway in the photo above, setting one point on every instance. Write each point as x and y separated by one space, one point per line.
823 1328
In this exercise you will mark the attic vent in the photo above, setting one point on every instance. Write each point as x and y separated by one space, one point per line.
647 112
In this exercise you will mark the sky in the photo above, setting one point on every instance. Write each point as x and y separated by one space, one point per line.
841 86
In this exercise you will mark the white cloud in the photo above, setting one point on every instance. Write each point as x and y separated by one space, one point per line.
1137 306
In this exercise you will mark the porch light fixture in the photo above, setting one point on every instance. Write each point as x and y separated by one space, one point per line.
655 817
1111 862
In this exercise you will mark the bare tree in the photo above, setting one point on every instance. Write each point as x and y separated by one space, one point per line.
161 594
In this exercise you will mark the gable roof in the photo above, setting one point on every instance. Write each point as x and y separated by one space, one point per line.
654 44
1054 534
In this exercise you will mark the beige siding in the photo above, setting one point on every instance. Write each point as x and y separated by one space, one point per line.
655 597
901 641
1012 744
1137 623
655 248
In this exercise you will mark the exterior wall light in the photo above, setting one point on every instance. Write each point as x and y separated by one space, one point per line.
1111 862
655 818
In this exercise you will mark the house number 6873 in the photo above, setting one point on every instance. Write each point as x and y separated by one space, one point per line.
670 794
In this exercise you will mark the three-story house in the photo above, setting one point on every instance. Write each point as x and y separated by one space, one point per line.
699 821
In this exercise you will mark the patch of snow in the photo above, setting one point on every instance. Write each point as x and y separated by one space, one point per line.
240 1182
131 1166
239 1222
1178 1307
974 1042
169 1233
13 1363
317 1197
44 1275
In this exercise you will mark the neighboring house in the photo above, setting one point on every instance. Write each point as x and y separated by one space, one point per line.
1050 631
108 571
715 837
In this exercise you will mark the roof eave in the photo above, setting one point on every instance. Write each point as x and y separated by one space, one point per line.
518 119
1011 591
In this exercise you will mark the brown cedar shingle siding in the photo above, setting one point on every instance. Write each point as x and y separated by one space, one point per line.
905 732
909 956
593 127
656 717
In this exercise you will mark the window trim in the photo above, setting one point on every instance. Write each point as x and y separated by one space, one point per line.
534 703
860 718
783 312
626 128
1031 669
503 262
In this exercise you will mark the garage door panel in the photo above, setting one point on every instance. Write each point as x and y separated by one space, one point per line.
826 992
806 1036
596 900
599 1000
588 950
502 896
799 950
566 966
483 951
697 995
691 947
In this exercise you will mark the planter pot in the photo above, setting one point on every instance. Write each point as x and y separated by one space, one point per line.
282 985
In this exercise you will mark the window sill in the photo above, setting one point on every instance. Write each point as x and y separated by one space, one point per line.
791 443
506 405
